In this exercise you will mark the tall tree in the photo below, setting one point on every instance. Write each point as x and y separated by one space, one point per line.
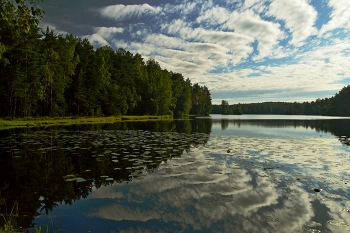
181 90
80 99
225 107
339 105
50 74
125 76
159 89
237 109
201 100
59 64
18 56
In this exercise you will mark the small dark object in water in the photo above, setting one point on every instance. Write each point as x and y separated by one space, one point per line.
228 151
317 190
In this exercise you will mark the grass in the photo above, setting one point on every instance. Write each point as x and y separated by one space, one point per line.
9 228
47 229
45 121
10 223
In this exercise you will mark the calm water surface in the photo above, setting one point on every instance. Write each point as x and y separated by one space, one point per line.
215 174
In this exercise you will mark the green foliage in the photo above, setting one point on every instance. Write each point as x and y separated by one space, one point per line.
339 105
19 56
237 110
159 96
48 229
47 74
10 221
201 100
226 110
182 95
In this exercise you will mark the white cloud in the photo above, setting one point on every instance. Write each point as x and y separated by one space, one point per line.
250 3
45 25
108 32
298 16
238 45
183 8
102 34
122 12
258 6
247 27
211 49
177 27
249 24
97 39
214 54
214 16
230 33
164 41
322 69
340 16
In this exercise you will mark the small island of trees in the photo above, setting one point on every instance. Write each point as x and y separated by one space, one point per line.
227 109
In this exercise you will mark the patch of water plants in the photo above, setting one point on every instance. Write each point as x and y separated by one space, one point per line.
268 179
185 182
54 167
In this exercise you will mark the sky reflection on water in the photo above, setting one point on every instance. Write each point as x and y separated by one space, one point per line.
245 176
238 181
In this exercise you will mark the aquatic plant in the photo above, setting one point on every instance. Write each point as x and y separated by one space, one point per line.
10 221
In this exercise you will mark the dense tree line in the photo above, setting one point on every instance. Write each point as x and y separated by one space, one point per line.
49 74
227 109
338 105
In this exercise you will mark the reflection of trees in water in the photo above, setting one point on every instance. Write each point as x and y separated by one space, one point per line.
339 128
31 173
33 163
202 125
224 124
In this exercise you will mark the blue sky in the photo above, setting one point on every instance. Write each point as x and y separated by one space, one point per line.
242 50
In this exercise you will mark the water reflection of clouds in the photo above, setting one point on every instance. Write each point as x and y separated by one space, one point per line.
199 194
296 211
235 183
119 212
340 214
139 229
105 192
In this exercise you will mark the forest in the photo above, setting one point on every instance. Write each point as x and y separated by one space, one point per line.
337 105
43 73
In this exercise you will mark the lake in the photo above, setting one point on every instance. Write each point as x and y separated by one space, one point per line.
249 173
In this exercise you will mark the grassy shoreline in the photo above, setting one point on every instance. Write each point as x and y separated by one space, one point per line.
48 121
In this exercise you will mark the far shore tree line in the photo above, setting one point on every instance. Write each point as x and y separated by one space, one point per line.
338 105
48 74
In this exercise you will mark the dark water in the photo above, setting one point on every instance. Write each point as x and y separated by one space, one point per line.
203 175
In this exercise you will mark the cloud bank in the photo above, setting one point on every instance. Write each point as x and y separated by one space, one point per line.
280 46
